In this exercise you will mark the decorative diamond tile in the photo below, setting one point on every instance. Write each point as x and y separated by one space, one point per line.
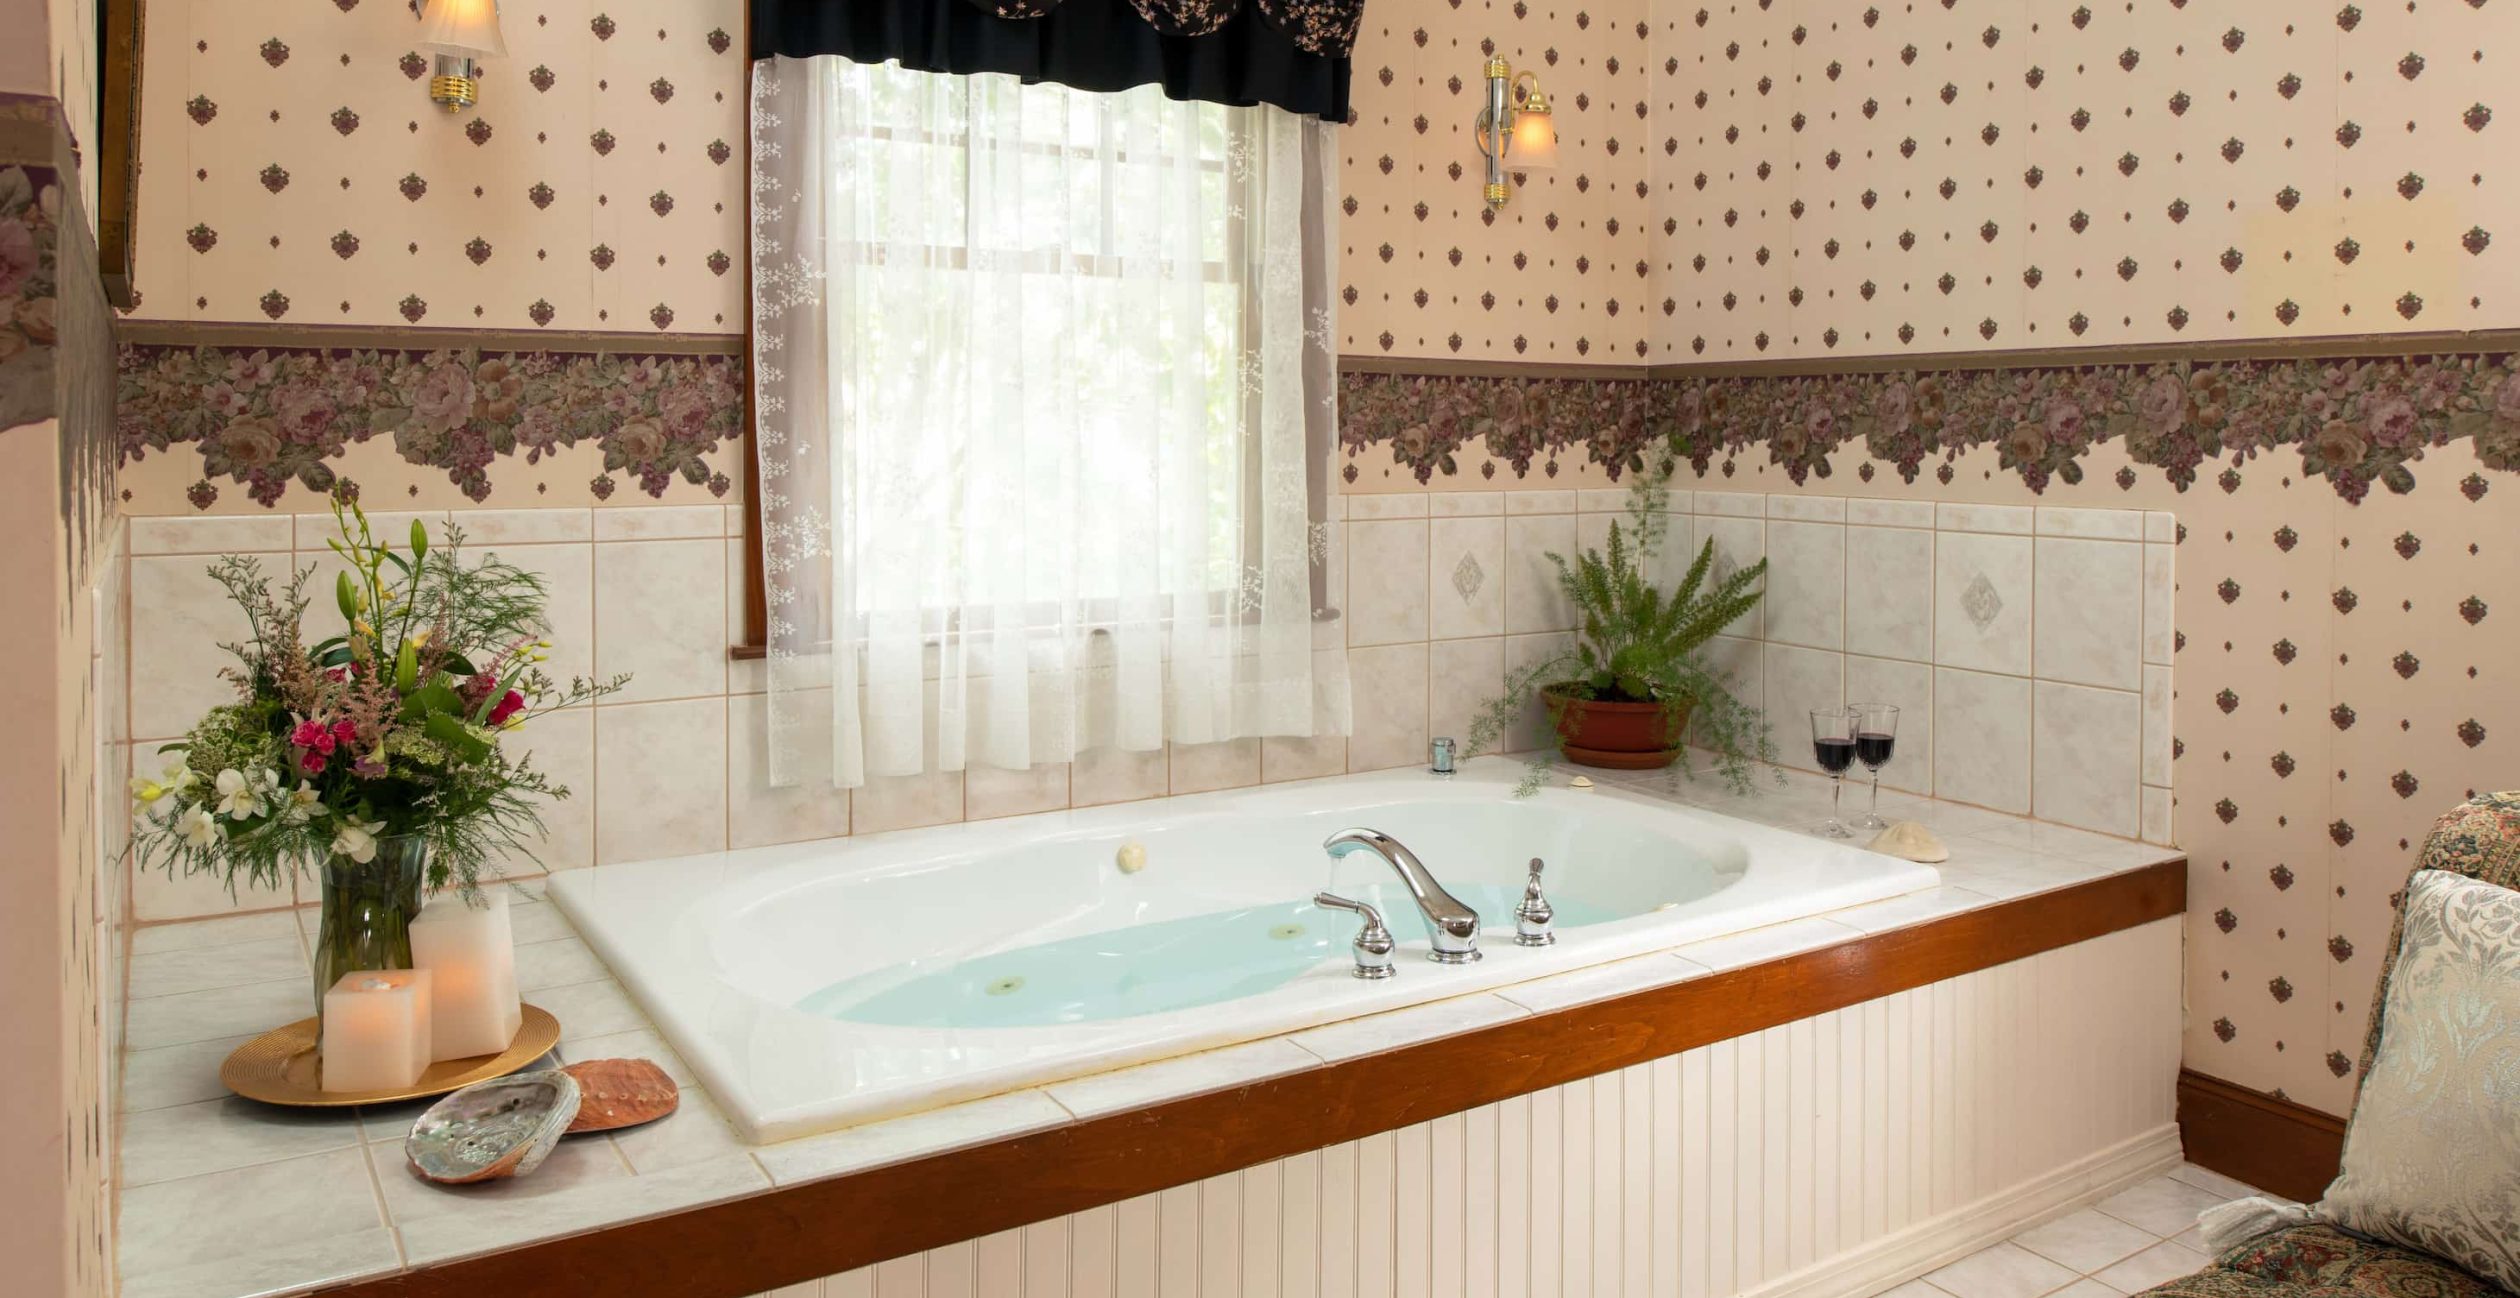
1467 577
1980 601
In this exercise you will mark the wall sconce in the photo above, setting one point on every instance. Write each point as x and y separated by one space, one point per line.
1514 129
461 32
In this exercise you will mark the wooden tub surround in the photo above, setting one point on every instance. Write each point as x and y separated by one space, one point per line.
798 1232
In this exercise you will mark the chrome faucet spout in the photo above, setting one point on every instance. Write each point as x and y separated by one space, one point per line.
1454 926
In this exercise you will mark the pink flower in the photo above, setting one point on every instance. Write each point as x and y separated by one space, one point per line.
445 397
314 736
509 705
344 732
311 762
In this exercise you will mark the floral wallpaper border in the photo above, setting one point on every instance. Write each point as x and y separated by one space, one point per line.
2355 421
31 207
265 417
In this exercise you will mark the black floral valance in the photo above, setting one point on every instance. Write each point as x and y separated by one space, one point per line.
1289 53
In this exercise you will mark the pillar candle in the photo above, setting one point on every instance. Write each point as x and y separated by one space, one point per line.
376 1030
469 950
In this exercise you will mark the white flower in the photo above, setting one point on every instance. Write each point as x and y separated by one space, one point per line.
357 840
198 827
304 804
147 792
241 796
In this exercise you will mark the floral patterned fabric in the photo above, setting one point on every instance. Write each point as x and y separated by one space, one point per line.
2432 1159
2479 838
2321 1261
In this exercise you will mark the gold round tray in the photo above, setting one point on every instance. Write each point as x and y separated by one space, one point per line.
279 1067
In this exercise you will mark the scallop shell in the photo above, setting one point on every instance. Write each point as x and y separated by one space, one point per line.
1913 841
499 1128
621 1093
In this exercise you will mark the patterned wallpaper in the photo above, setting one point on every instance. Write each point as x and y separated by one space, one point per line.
1847 179
1738 180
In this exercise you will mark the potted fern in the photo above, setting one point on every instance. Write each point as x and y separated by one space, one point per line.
1633 687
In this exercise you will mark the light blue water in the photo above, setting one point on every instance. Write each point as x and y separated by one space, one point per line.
1143 968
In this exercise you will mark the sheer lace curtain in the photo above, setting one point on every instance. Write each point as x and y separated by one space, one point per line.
1045 396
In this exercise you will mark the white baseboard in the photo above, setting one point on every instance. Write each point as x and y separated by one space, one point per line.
1898 1258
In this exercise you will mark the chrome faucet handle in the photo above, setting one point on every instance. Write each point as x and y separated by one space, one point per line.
1439 755
1373 942
1452 928
1534 920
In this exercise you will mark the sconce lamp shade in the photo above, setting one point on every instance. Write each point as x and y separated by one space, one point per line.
1535 142
463 27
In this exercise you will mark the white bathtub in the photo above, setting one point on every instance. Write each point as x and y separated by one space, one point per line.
821 984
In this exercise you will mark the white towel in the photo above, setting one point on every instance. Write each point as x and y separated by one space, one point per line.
2229 1225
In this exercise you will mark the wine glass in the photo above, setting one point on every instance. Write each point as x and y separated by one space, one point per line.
1833 743
1876 733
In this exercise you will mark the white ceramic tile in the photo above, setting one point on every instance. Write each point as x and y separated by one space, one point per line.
1376 1033
1813 509
659 522
212 534
2157 750
562 745
319 1213
1525 653
1301 759
1909 909
1798 680
2098 524
2090 612
1806 583
1890 513
1387 581
580 1186
893 1140
590 1009
2085 1241
2015 520
2002 1271
1982 739
1601 500
1398 504
1390 683
2161 527
2160 1264
888 802
1106 774
558 962
2073 844
660 779
568 577
660 615
1465 504
2161 1205
1732 504
694 1133
1890 592
1228 764
2087 750
1533 599
2215 1183
170 972
226 1012
1600 982
1909 687
1548 501
179 617
1465 577
990 792
172 1075
218 1135
2160 598
1759 945
1982 602
1463 677
2158 823
521 526
1740 665
1739 543
1184 1075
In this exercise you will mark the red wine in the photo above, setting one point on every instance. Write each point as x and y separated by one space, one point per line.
1872 749
1835 754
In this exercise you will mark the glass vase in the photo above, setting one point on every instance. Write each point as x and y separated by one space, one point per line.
368 909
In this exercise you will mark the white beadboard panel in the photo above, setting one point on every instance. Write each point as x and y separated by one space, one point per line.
1842 1153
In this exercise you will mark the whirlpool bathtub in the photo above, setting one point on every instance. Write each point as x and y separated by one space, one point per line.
821 984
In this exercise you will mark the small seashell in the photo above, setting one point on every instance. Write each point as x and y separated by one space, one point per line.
1580 782
621 1093
1911 841
1131 857
489 1130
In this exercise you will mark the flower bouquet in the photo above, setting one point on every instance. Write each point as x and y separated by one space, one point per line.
372 757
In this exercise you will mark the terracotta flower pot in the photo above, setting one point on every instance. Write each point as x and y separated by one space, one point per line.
1618 736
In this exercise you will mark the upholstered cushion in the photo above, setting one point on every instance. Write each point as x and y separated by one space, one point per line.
2320 1261
2479 838
2432 1159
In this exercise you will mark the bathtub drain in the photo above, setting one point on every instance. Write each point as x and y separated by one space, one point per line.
1002 986
1284 931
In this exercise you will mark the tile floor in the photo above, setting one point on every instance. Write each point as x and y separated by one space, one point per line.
2123 1244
